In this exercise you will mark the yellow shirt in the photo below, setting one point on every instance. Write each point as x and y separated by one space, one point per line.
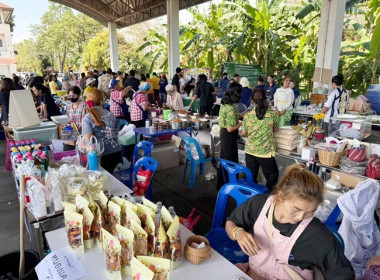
150 82
53 87
156 82
120 82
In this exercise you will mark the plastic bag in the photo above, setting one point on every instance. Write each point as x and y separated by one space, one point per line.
142 183
40 199
373 167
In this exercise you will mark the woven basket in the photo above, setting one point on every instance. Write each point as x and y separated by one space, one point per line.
328 158
197 256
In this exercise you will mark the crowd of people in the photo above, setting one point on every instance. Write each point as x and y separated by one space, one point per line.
294 198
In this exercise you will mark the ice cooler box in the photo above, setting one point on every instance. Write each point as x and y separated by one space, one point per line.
42 133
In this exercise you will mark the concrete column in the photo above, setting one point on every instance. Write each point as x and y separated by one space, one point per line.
330 35
114 54
173 36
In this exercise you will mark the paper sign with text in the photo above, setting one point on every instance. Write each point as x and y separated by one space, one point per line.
60 264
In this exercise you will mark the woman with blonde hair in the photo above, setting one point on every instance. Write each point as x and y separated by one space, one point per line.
103 125
281 235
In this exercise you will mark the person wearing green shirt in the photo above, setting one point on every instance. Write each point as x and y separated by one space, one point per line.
229 126
259 126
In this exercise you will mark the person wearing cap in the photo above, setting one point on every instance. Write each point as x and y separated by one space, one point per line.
140 105
118 105
90 83
174 98
163 93
247 92
104 82
176 77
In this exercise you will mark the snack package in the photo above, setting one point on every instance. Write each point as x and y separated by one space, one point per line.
98 182
102 200
97 226
126 237
174 234
131 215
143 211
76 186
88 234
112 252
123 205
112 217
140 271
160 267
92 203
130 205
149 228
149 204
161 246
140 242
74 228
142 183
53 183
166 218
69 206
80 203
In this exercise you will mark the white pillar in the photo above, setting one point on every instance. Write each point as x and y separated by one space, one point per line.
330 35
114 54
173 36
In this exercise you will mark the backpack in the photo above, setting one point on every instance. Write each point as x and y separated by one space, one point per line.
342 99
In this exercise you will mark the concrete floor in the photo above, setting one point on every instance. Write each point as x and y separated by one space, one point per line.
9 209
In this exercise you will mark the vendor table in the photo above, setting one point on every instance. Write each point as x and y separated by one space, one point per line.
39 225
217 267
153 133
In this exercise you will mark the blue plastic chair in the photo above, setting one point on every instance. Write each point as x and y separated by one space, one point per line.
338 237
189 141
121 123
331 220
146 163
218 237
234 170
125 175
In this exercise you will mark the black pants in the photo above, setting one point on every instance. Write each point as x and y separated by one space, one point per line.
206 109
228 151
140 123
109 162
269 167
157 95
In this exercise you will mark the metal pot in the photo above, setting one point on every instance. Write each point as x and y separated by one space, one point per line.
203 123
176 124
196 123
185 123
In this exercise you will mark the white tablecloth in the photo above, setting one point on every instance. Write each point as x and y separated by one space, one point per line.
216 268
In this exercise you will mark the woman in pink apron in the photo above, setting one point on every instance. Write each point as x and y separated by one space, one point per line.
281 235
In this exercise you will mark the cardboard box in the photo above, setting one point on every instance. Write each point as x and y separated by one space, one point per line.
167 155
347 180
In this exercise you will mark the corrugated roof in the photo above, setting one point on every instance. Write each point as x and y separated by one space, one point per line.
124 12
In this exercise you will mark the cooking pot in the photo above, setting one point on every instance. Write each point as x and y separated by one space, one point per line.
203 123
176 124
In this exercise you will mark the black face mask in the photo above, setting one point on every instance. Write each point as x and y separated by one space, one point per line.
73 100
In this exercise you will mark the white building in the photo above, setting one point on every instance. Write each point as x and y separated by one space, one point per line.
7 58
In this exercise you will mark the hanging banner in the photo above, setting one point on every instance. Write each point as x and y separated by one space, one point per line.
195 72
251 72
